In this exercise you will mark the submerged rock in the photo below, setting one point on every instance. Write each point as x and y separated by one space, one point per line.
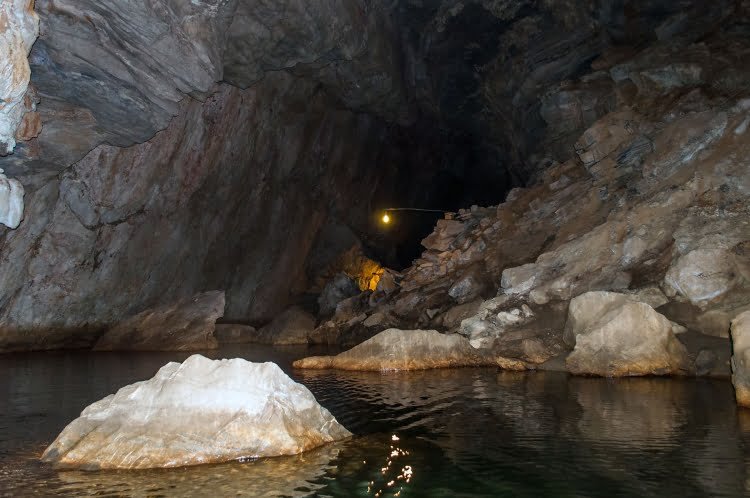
395 349
200 411
741 358
186 325
617 337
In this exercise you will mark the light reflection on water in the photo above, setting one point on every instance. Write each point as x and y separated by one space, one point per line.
464 432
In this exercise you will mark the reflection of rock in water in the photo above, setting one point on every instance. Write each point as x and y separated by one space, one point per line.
633 412
269 477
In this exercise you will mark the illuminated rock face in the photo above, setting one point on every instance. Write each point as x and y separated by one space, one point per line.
19 27
199 411
395 349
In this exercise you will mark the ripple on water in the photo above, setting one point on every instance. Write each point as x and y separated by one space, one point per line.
465 432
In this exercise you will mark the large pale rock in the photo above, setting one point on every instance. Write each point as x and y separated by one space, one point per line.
199 411
186 325
11 201
741 358
702 276
587 308
293 326
395 349
616 338
19 27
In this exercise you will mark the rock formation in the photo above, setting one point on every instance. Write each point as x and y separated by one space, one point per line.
741 358
195 412
395 349
19 27
186 325
615 337
244 146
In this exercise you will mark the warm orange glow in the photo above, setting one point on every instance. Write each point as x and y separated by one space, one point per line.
386 218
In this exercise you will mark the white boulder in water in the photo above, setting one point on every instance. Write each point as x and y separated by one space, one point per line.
199 411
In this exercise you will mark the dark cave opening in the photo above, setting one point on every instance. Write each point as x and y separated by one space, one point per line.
439 169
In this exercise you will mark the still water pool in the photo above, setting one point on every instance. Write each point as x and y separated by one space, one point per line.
447 433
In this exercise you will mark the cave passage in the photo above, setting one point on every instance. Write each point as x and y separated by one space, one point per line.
191 208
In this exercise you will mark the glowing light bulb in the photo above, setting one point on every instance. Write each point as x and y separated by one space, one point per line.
386 218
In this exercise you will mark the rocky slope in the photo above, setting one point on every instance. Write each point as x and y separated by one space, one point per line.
241 145
653 204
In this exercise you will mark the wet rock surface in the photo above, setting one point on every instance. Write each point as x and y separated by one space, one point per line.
616 337
196 412
186 325
395 349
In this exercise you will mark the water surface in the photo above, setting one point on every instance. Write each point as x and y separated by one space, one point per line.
446 433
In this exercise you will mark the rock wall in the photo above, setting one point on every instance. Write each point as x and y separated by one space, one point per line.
230 196
653 203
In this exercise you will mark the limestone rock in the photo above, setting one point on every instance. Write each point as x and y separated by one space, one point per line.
703 276
618 337
741 358
587 308
395 349
185 325
199 411
11 201
19 27
293 326
235 333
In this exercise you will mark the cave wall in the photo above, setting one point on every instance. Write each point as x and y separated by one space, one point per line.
507 73
149 182
230 196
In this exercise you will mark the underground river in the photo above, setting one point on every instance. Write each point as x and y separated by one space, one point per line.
457 432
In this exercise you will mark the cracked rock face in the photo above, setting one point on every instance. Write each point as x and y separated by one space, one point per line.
221 199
